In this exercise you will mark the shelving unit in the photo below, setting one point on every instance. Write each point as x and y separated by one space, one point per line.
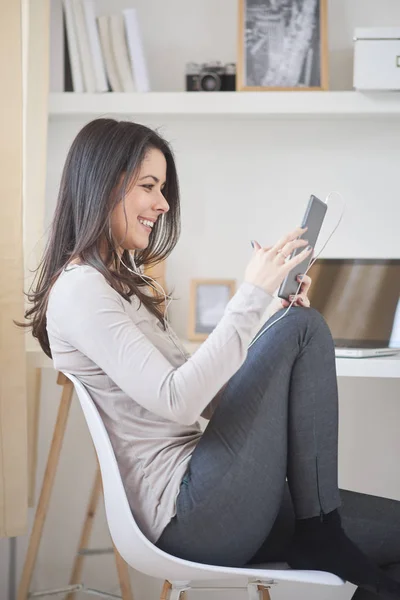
244 105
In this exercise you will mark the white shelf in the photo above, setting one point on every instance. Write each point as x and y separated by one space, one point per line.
229 104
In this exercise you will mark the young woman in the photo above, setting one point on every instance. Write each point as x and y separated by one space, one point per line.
260 483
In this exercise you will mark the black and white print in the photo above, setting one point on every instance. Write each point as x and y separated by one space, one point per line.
282 43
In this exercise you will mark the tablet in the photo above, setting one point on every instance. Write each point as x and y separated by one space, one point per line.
313 219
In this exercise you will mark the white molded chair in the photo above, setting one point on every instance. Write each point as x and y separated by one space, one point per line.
144 556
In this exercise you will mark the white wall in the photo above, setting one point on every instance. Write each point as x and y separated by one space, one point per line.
251 180
243 180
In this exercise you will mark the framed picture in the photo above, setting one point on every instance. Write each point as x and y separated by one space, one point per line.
208 299
282 45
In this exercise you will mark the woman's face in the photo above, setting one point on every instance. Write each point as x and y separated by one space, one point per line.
144 203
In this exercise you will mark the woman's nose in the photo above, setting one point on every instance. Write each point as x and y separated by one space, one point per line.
162 203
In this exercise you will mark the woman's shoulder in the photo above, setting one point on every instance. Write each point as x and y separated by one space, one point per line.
79 283
75 274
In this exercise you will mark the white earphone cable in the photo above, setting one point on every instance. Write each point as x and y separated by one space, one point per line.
171 334
308 268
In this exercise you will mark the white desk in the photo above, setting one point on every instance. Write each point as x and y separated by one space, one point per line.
384 366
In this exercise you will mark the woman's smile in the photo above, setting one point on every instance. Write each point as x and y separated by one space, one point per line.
145 224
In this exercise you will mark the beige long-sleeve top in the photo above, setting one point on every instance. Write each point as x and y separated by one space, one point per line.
149 395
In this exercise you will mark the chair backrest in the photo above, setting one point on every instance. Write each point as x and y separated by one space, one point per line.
130 542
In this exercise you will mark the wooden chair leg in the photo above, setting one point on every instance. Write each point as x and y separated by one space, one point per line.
76 574
123 576
47 486
264 592
166 588
166 592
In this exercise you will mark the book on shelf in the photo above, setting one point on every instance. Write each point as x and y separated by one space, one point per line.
100 52
109 59
83 45
72 46
135 48
120 49
101 83
59 76
66 84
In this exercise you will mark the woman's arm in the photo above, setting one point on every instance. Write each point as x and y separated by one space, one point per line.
87 313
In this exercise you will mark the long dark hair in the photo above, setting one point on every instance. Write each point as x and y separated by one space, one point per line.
103 151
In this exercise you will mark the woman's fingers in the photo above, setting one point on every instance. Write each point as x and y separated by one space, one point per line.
293 236
288 238
305 283
268 266
296 260
299 300
290 246
257 246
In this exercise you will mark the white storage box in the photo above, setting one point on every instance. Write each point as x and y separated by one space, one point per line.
377 58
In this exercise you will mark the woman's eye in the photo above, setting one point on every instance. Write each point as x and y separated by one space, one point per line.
148 186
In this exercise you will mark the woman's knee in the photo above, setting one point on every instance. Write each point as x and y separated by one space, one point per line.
311 316
306 320
294 330
313 323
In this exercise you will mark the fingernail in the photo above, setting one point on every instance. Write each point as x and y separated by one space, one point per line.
300 277
308 248
252 244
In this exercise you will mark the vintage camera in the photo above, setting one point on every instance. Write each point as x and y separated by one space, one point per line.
210 77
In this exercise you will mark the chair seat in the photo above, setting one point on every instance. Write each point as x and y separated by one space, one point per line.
282 571
277 572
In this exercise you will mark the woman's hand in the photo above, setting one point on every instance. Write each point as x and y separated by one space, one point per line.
268 267
301 299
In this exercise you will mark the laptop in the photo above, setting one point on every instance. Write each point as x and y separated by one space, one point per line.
360 301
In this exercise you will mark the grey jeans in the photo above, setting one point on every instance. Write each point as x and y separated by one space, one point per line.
269 455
